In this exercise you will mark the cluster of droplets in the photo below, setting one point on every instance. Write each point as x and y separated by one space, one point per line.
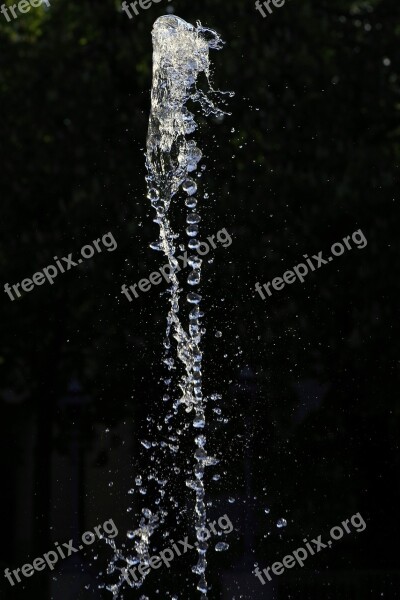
195 381
121 562
188 345
180 54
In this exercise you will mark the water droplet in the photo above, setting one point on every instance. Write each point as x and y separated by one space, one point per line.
153 194
194 485
281 523
189 186
200 440
267 511
194 278
218 334
200 454
192 230
156 246
211 461
195 262
191 202
193 298
202 585
221 546
199 422
193 244
193 218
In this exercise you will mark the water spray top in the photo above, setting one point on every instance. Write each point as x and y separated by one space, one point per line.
172 25
171 22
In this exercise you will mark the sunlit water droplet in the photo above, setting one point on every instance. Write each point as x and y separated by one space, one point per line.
192 230
153 194
193 218
156 245
281 523
193 298
189 186
191 202
194 277
195 261
199 422
221 546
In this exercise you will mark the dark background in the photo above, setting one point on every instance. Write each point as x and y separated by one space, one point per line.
309 377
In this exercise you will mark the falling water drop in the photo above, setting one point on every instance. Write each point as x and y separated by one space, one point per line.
193 298
189 186
191 202
195 261
192 230
193 244
193 218
281 523
194 277
221 546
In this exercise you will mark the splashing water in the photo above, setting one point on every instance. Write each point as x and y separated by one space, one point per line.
180 56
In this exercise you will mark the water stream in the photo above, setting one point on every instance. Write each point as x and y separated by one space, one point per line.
181 54
180 57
